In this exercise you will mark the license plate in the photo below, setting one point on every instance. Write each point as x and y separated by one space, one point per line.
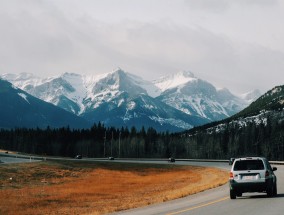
248 177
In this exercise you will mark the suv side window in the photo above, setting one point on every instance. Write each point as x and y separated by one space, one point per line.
241 165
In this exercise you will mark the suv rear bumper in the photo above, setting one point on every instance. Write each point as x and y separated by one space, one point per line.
242 187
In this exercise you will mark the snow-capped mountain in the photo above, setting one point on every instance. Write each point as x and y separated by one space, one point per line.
196 97
20 109
142 110
66 91
77 93
120 98
112 85
172 81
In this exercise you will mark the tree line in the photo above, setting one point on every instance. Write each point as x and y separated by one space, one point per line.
262 139
230 139
98 141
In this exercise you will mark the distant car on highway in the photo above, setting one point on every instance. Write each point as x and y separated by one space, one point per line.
253 174
171 160
111 158
78 157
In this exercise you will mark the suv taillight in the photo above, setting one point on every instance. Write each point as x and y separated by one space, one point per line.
231 175
266 173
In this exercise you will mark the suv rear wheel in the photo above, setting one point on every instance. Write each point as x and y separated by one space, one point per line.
270 191
275 190
232 194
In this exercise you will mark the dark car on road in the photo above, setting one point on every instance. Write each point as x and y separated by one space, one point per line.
78 157
253 174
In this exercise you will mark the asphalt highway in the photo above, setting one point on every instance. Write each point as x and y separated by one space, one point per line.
217 201
10 159
211 202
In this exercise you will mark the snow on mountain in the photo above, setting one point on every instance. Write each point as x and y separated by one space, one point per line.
24 81
174 80
115 83
60 92
66 91
116 92
152 89
77 93
142 110
194 96
122 99
24 96
110 86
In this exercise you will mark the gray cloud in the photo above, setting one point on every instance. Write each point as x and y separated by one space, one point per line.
39 37
223 5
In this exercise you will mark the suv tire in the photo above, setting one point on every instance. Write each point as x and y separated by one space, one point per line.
232 194
270 191
275 190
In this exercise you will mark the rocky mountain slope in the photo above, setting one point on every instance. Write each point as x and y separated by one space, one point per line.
258 130
19 109
120 98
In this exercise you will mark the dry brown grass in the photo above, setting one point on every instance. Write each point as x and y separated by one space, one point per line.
88 188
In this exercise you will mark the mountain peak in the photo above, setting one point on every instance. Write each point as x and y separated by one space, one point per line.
186 74
116 76
119 81
174 80
21 76
118 71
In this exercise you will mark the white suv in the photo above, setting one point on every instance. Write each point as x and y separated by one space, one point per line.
252 174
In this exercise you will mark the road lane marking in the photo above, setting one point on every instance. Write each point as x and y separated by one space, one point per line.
199 206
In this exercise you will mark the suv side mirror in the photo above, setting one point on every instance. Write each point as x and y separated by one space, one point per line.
274 168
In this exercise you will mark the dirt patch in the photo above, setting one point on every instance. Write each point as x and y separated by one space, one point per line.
97 188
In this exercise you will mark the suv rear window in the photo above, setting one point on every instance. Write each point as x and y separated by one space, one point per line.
248 165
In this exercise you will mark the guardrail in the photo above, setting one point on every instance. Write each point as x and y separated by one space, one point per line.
182 159
44 158
277 162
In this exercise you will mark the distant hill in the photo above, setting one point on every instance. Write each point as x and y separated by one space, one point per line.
19 109
257 130
273 100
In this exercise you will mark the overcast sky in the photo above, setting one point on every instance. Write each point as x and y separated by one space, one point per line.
237 44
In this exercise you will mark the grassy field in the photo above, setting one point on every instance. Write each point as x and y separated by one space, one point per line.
97 188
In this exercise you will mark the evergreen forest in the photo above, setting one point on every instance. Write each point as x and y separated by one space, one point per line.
232 140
